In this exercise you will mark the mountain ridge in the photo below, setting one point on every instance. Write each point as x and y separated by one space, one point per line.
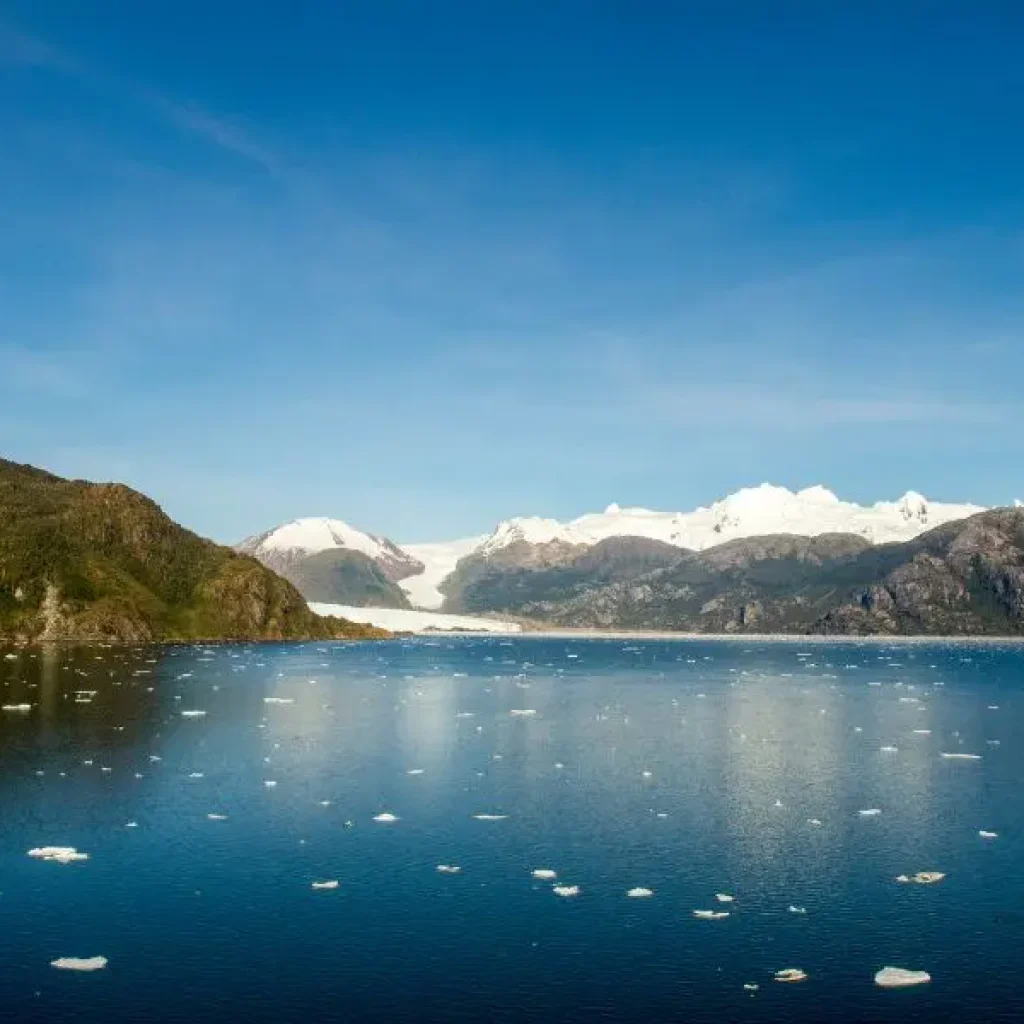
102 562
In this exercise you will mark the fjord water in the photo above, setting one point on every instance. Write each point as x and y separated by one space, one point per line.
687 767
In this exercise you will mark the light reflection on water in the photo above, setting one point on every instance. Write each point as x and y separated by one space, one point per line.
744 742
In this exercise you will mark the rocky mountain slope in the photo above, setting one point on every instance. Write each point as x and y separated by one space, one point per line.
329 561
965 577
90 561
751 512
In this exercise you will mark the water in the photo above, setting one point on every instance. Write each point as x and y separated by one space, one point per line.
205 919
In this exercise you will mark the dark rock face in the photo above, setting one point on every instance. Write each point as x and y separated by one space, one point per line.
962 578
82 561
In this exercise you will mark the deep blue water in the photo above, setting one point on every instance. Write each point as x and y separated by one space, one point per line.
208 920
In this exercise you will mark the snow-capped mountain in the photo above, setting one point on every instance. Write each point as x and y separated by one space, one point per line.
296 541
750 512
420 569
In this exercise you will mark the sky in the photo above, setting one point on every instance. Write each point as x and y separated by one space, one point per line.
423 266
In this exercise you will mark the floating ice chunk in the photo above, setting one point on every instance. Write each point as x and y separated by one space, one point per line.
270 783
711 915
900 977
724 897
922 732
217 817
797 910
414 771
988 835
16 707
195 775
647 775
749 986
870 812
131 824
639 893
78 963
330 884
490 817
522 712
58 854
922 878
889 750
816 822
544 874
192 714
961 757
790 974
278 700
566 890
448 869
385 817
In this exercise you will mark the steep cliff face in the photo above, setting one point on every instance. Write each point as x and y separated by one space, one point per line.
103 562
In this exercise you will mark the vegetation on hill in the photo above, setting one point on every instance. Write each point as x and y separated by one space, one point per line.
88 561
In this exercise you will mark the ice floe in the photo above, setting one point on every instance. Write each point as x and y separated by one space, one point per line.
790 974
988 835
522 712
58 854
16 707
79 963
797 910
921 878
217 817
385 817
566 890
331 883
544 874
900 977
278 700
448 869
724 897
195 713
710 915
639 892
870 812
490 817
960 757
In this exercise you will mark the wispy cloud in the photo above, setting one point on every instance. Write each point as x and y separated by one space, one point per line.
20 48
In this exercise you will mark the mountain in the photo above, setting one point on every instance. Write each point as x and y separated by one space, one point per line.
750 512
331 562
84 561
754 511
964 577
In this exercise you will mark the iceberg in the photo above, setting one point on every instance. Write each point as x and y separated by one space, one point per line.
386 817
58 854
566 890
448 869
988 835
639 892
544 874
900 977
330 884
790 974
78 963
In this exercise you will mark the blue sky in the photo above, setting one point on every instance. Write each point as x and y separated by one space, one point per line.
426 265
